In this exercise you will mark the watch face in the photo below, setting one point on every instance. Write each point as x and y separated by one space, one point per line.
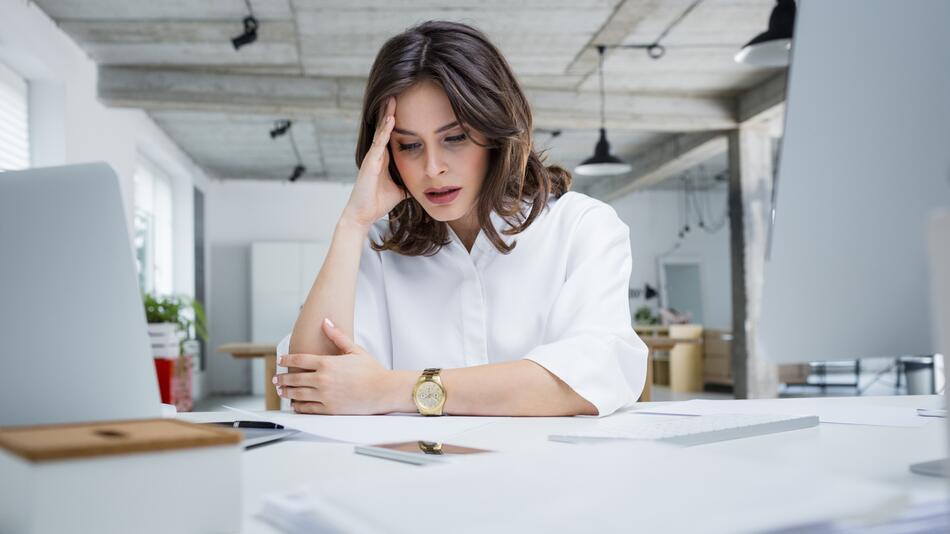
429 395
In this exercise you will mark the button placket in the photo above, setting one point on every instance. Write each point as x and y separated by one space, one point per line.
473 317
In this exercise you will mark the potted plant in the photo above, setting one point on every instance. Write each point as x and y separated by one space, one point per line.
644 315
172 322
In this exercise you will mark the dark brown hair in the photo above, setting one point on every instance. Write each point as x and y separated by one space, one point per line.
485 96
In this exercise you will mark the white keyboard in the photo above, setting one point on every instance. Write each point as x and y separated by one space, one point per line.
686 429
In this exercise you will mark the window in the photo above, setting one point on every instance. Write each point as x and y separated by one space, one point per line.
153 229
14 122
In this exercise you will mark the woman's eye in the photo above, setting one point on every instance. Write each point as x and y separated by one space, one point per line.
414 146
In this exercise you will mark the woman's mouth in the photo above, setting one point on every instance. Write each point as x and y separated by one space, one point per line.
442 195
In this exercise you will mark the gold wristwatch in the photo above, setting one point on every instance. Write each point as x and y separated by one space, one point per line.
428 394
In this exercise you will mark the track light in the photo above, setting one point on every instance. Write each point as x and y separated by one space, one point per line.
282 127
297 172
249 35
279 129
250 29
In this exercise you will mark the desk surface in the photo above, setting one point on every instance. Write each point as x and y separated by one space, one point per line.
860 453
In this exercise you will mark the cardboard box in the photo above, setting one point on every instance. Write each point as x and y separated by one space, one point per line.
147 476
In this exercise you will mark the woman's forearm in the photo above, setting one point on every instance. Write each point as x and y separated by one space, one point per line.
517 388
333 292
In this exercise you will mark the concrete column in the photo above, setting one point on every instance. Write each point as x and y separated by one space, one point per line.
750 194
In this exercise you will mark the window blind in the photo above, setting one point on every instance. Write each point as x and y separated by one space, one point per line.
14 122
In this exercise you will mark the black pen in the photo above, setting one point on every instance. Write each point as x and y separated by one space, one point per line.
250 424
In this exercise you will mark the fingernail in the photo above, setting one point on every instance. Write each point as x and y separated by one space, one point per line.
274 380
280 392
280 360
330 323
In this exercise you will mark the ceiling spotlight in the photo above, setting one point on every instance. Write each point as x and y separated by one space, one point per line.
249 35
772 47
280 128
250 29
297 172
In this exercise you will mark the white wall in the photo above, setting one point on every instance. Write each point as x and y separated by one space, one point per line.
238 214
69 125
655 219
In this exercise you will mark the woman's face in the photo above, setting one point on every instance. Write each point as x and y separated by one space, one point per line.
440 165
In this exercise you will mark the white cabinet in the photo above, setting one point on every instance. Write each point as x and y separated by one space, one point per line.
282 273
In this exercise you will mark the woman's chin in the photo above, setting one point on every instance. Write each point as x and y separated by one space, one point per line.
444 213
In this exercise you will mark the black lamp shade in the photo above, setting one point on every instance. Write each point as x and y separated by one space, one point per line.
771 47
602 163
781 23
649 292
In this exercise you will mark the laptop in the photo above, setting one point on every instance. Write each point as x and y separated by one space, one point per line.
73 338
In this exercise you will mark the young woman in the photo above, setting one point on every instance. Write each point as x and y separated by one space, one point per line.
489 289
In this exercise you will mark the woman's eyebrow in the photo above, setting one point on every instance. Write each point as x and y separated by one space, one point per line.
440 129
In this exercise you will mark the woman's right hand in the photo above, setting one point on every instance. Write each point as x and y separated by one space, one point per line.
375 193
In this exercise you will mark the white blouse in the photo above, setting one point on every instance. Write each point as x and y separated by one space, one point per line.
558 299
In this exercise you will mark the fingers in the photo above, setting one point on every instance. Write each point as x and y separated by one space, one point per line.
384 129
305 379
311 362
317 408
338 337
391 108
301 394
388 110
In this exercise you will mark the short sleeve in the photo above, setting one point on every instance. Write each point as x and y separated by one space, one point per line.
371 328
589 339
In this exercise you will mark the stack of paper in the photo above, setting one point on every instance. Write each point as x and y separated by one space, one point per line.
373 429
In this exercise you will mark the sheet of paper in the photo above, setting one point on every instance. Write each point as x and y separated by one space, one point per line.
373 429
828 410
641 487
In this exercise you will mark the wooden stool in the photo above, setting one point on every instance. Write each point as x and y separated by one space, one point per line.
259 350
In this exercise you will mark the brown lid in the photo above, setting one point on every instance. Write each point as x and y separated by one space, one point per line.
83 440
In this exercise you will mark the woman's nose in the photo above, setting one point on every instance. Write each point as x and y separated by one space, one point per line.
435 164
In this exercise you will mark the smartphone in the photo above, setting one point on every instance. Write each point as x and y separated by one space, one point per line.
417 452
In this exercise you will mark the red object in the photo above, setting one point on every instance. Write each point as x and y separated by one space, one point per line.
174 381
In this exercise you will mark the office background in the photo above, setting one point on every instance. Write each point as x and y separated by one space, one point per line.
159 91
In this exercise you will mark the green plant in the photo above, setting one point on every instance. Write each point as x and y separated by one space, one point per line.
644 315
184 311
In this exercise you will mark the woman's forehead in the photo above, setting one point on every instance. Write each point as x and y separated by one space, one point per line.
423 109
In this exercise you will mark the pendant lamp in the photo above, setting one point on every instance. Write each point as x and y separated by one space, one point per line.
772 48
602 163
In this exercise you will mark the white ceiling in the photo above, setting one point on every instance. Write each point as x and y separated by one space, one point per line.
549 44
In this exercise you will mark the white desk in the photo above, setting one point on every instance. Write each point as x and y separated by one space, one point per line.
861 453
